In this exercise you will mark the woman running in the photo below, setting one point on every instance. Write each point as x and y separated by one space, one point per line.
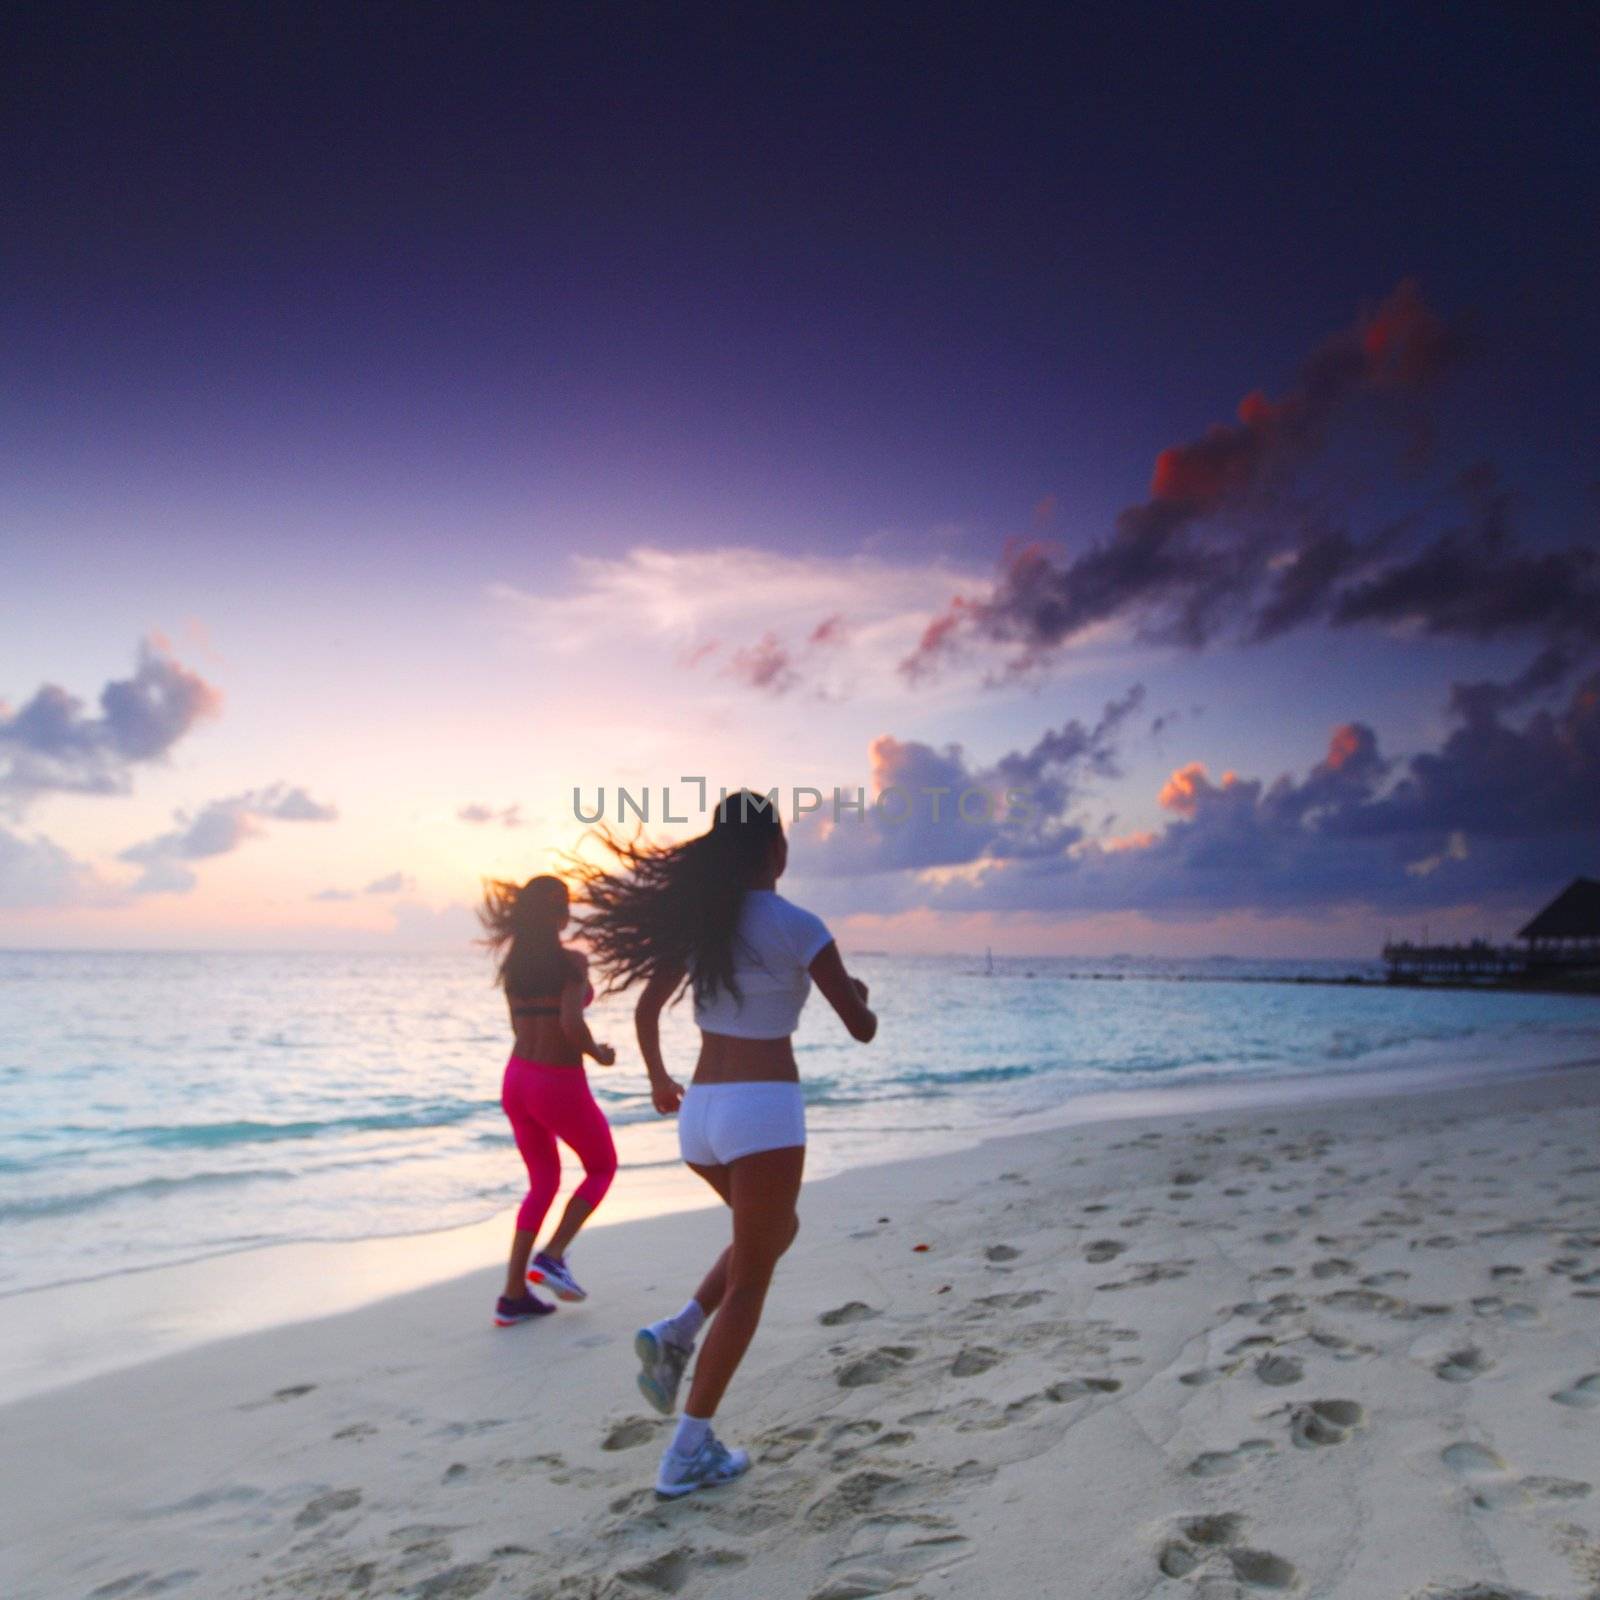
706 915
545 1092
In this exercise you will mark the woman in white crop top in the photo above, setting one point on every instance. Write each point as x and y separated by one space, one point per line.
707 915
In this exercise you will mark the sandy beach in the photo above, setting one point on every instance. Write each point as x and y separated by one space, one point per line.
1342 1349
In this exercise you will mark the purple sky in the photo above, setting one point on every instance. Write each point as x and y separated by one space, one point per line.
480 402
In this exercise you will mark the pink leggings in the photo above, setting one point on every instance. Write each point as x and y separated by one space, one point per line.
547 1103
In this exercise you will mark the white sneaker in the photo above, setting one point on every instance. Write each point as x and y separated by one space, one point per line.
661 1363
711 1464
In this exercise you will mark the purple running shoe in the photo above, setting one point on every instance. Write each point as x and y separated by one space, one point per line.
508 1313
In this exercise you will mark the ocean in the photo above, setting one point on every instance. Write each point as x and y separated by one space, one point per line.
160 1107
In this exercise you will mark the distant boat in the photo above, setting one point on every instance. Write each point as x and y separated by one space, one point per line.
988 963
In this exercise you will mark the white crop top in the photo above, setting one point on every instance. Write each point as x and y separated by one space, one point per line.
775 944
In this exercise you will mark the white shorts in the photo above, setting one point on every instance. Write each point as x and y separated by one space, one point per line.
719 1122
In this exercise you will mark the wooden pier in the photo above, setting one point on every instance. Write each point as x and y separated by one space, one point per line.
1477 962
1559 949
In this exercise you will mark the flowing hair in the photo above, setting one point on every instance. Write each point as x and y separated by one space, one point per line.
675 908
522 925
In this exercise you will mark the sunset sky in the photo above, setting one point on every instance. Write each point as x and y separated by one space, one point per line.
1189 415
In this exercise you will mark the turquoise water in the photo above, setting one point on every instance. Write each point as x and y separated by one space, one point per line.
162 1107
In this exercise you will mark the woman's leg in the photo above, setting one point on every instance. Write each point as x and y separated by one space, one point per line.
537 1146
715 1283
582 1124
762 1189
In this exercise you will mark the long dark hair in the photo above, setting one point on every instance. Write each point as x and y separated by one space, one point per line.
522 925
675 908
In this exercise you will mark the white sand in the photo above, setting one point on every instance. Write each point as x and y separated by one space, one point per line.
1345 1349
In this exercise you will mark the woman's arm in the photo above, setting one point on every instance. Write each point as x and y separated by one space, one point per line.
847 995
666 1094
573 993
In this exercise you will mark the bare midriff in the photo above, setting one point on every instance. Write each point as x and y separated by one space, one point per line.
544 1039
726 1059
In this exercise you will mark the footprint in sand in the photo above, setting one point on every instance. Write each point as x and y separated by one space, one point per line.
1324 1422
675 1570
973 1360
278 1396
1342 1348
1218 1529
850 1311
889 1550
1474 1462
1365 1300
1104 1250
850 1440
1222 1463
315 1512
855 1496
1584 1394
1333 1267
1019 1301
1473 1591
1198 1538
1490 1481
1177 1560
635 1431
1260 1569
874 1367
144 1583
457 1583
1279 1370
1462 1366
1513 1311
1077 1388
1001 1252
782 1445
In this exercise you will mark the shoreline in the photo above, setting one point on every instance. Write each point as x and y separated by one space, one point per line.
52 1336
1341 1347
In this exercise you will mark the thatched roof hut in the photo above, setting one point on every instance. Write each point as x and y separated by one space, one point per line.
1574 914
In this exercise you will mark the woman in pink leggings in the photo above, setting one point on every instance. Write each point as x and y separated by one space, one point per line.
546 1093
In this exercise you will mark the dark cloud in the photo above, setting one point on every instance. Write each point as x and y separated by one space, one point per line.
935 808
1225 543
1475 701
1501 812
51 744
216 829
1496 780
394 883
